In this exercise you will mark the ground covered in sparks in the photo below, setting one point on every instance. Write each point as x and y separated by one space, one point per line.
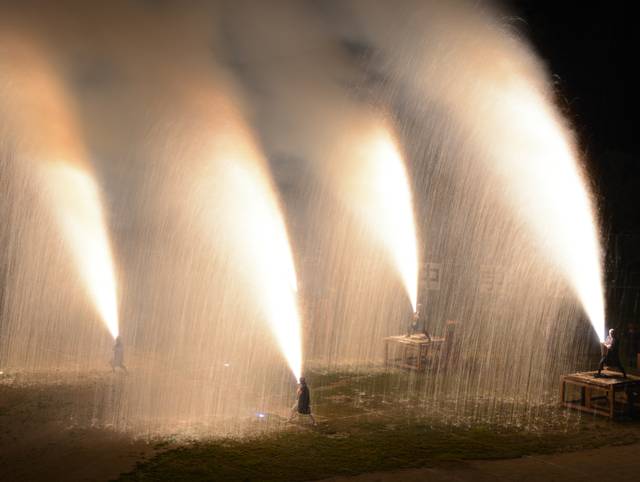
366 423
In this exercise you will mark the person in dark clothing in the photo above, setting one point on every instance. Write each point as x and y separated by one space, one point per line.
303 404
118 356
611 354
413 327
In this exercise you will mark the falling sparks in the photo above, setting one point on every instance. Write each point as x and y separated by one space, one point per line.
201 231
497 91
238 185
378 190
76 202
549 192
50 139
265 242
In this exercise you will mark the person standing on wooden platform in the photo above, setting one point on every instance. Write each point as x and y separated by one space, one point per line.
303 405
611 354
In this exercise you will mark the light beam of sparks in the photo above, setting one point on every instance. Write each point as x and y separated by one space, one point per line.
237 184
77 206
378 190
267 247
37 110
538 162
497 90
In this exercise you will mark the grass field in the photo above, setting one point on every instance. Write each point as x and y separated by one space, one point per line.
366 425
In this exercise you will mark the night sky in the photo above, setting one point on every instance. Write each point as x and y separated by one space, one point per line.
591 50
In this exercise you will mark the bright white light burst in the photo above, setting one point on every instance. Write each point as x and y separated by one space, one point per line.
377 188
538 163
266 245
76 202
245 207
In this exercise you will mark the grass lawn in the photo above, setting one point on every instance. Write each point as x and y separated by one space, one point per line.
363 428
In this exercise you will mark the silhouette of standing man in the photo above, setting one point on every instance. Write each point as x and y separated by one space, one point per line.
303 405
610 354
118 356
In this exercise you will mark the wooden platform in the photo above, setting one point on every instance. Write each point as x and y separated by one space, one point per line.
415 352
610 396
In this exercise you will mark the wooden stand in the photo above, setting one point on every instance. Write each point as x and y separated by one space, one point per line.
609 396
414 351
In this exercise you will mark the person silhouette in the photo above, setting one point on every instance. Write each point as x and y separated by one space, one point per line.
303 404
118 356
611 354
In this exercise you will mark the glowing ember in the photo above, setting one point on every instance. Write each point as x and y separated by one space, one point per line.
77 206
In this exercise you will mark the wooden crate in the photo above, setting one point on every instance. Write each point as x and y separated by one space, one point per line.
414 352
609 396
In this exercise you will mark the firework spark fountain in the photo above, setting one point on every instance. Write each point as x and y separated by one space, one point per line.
262 236
237 185
381 125
497 91
75 198
34 96
376 186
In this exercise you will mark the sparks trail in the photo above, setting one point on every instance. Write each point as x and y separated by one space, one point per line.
39 117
